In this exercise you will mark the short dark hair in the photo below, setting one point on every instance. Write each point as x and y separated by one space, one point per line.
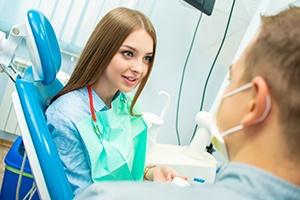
275 55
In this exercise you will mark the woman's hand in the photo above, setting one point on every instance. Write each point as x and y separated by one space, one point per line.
161 174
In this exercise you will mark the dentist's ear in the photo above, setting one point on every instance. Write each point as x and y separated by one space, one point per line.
258 105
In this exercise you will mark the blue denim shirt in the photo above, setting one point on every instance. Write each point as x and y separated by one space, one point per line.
61 116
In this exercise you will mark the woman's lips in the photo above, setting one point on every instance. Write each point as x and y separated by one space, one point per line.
130 80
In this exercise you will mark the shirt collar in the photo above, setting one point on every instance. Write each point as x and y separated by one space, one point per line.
99 105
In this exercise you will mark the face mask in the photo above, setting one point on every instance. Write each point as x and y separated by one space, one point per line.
218 138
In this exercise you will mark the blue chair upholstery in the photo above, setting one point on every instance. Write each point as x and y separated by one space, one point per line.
35 89
48 52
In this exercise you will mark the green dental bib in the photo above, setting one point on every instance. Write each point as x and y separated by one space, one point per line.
121 152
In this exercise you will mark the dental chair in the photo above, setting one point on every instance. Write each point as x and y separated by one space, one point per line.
31 98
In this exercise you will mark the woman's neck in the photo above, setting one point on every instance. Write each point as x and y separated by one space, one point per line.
105 94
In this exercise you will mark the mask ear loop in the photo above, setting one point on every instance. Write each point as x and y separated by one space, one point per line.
233 92
244 87
263 117
267 110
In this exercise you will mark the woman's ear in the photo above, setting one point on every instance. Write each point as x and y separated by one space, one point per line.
258 103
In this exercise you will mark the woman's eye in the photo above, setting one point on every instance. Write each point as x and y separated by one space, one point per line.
148 59
127 53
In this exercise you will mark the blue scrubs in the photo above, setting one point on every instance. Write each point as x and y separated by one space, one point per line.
237 181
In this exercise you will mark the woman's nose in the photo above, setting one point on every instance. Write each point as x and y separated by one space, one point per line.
137 66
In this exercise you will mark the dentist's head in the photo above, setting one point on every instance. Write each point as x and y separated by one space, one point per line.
258 117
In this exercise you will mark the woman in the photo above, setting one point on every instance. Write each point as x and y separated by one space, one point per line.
95 123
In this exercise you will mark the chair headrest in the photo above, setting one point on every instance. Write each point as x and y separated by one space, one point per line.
43 47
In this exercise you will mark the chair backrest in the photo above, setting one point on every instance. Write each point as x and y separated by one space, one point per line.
33 92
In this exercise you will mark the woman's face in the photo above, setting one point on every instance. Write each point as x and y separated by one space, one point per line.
130 64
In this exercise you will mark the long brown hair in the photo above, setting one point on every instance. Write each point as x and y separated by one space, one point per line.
104 42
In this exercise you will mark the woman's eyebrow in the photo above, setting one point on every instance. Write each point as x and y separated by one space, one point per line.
130 47
135 50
